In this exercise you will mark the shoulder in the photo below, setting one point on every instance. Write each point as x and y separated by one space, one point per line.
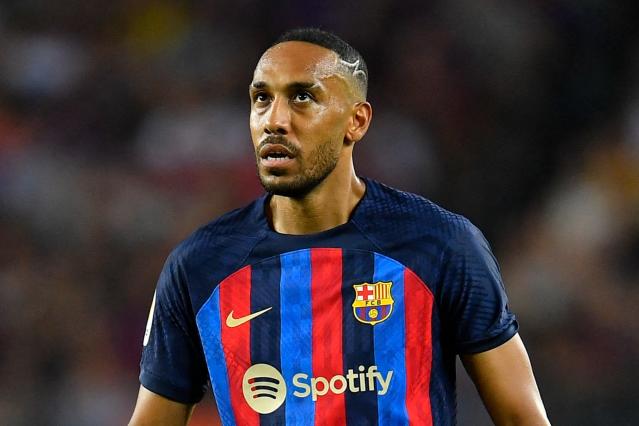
212 252
411 215
227 236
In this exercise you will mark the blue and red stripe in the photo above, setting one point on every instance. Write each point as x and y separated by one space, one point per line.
310 293
419 349
357 338
326 287
390 350
235 296
210 327
296 325
265 330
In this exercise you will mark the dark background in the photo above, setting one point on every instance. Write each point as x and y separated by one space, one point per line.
124 126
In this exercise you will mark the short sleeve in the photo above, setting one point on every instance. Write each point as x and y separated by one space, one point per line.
172 362
473 300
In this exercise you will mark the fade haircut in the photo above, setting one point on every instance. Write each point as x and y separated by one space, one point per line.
350 58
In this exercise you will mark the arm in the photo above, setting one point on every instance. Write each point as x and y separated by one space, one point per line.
156 410
506 384
172 369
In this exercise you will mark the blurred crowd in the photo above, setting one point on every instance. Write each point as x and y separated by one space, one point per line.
124 127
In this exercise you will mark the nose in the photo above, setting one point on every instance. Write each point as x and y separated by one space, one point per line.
278 118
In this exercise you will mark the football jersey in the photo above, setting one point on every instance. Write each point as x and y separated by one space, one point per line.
356 325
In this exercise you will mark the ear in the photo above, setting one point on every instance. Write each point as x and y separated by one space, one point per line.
358 123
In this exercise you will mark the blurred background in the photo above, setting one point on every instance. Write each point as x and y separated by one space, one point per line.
124 127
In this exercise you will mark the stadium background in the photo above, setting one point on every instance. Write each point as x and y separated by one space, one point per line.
123 126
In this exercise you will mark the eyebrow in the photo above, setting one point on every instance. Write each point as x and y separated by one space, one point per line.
296 85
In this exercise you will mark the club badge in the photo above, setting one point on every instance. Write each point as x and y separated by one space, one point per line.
373 302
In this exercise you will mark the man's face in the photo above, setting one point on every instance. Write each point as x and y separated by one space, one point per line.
300 106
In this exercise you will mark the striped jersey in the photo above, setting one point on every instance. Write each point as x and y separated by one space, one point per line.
357 325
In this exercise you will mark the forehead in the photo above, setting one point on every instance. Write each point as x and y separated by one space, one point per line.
296 60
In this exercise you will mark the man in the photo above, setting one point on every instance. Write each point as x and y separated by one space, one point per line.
332 299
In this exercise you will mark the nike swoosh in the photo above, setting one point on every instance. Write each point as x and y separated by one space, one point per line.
234 322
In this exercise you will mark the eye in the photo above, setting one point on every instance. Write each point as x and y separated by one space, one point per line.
302 97
260 98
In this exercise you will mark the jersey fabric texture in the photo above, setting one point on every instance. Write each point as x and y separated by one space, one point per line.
360 324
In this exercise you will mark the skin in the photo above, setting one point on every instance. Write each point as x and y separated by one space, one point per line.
328 117
303 98
152 409
505 381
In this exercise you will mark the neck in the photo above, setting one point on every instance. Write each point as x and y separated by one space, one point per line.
328 205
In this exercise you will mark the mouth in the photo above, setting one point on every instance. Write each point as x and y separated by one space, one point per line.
275 152
276 156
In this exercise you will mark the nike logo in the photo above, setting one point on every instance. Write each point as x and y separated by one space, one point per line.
234 322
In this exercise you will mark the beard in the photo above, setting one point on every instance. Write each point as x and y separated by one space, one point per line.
319 164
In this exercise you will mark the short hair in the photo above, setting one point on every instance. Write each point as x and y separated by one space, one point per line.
347 53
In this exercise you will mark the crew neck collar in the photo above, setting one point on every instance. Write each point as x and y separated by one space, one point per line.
264 224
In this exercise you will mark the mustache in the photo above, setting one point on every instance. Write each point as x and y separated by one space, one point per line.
278 140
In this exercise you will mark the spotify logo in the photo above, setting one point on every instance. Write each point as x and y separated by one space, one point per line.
264 388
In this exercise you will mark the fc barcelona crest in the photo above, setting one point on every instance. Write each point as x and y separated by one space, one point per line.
373 302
